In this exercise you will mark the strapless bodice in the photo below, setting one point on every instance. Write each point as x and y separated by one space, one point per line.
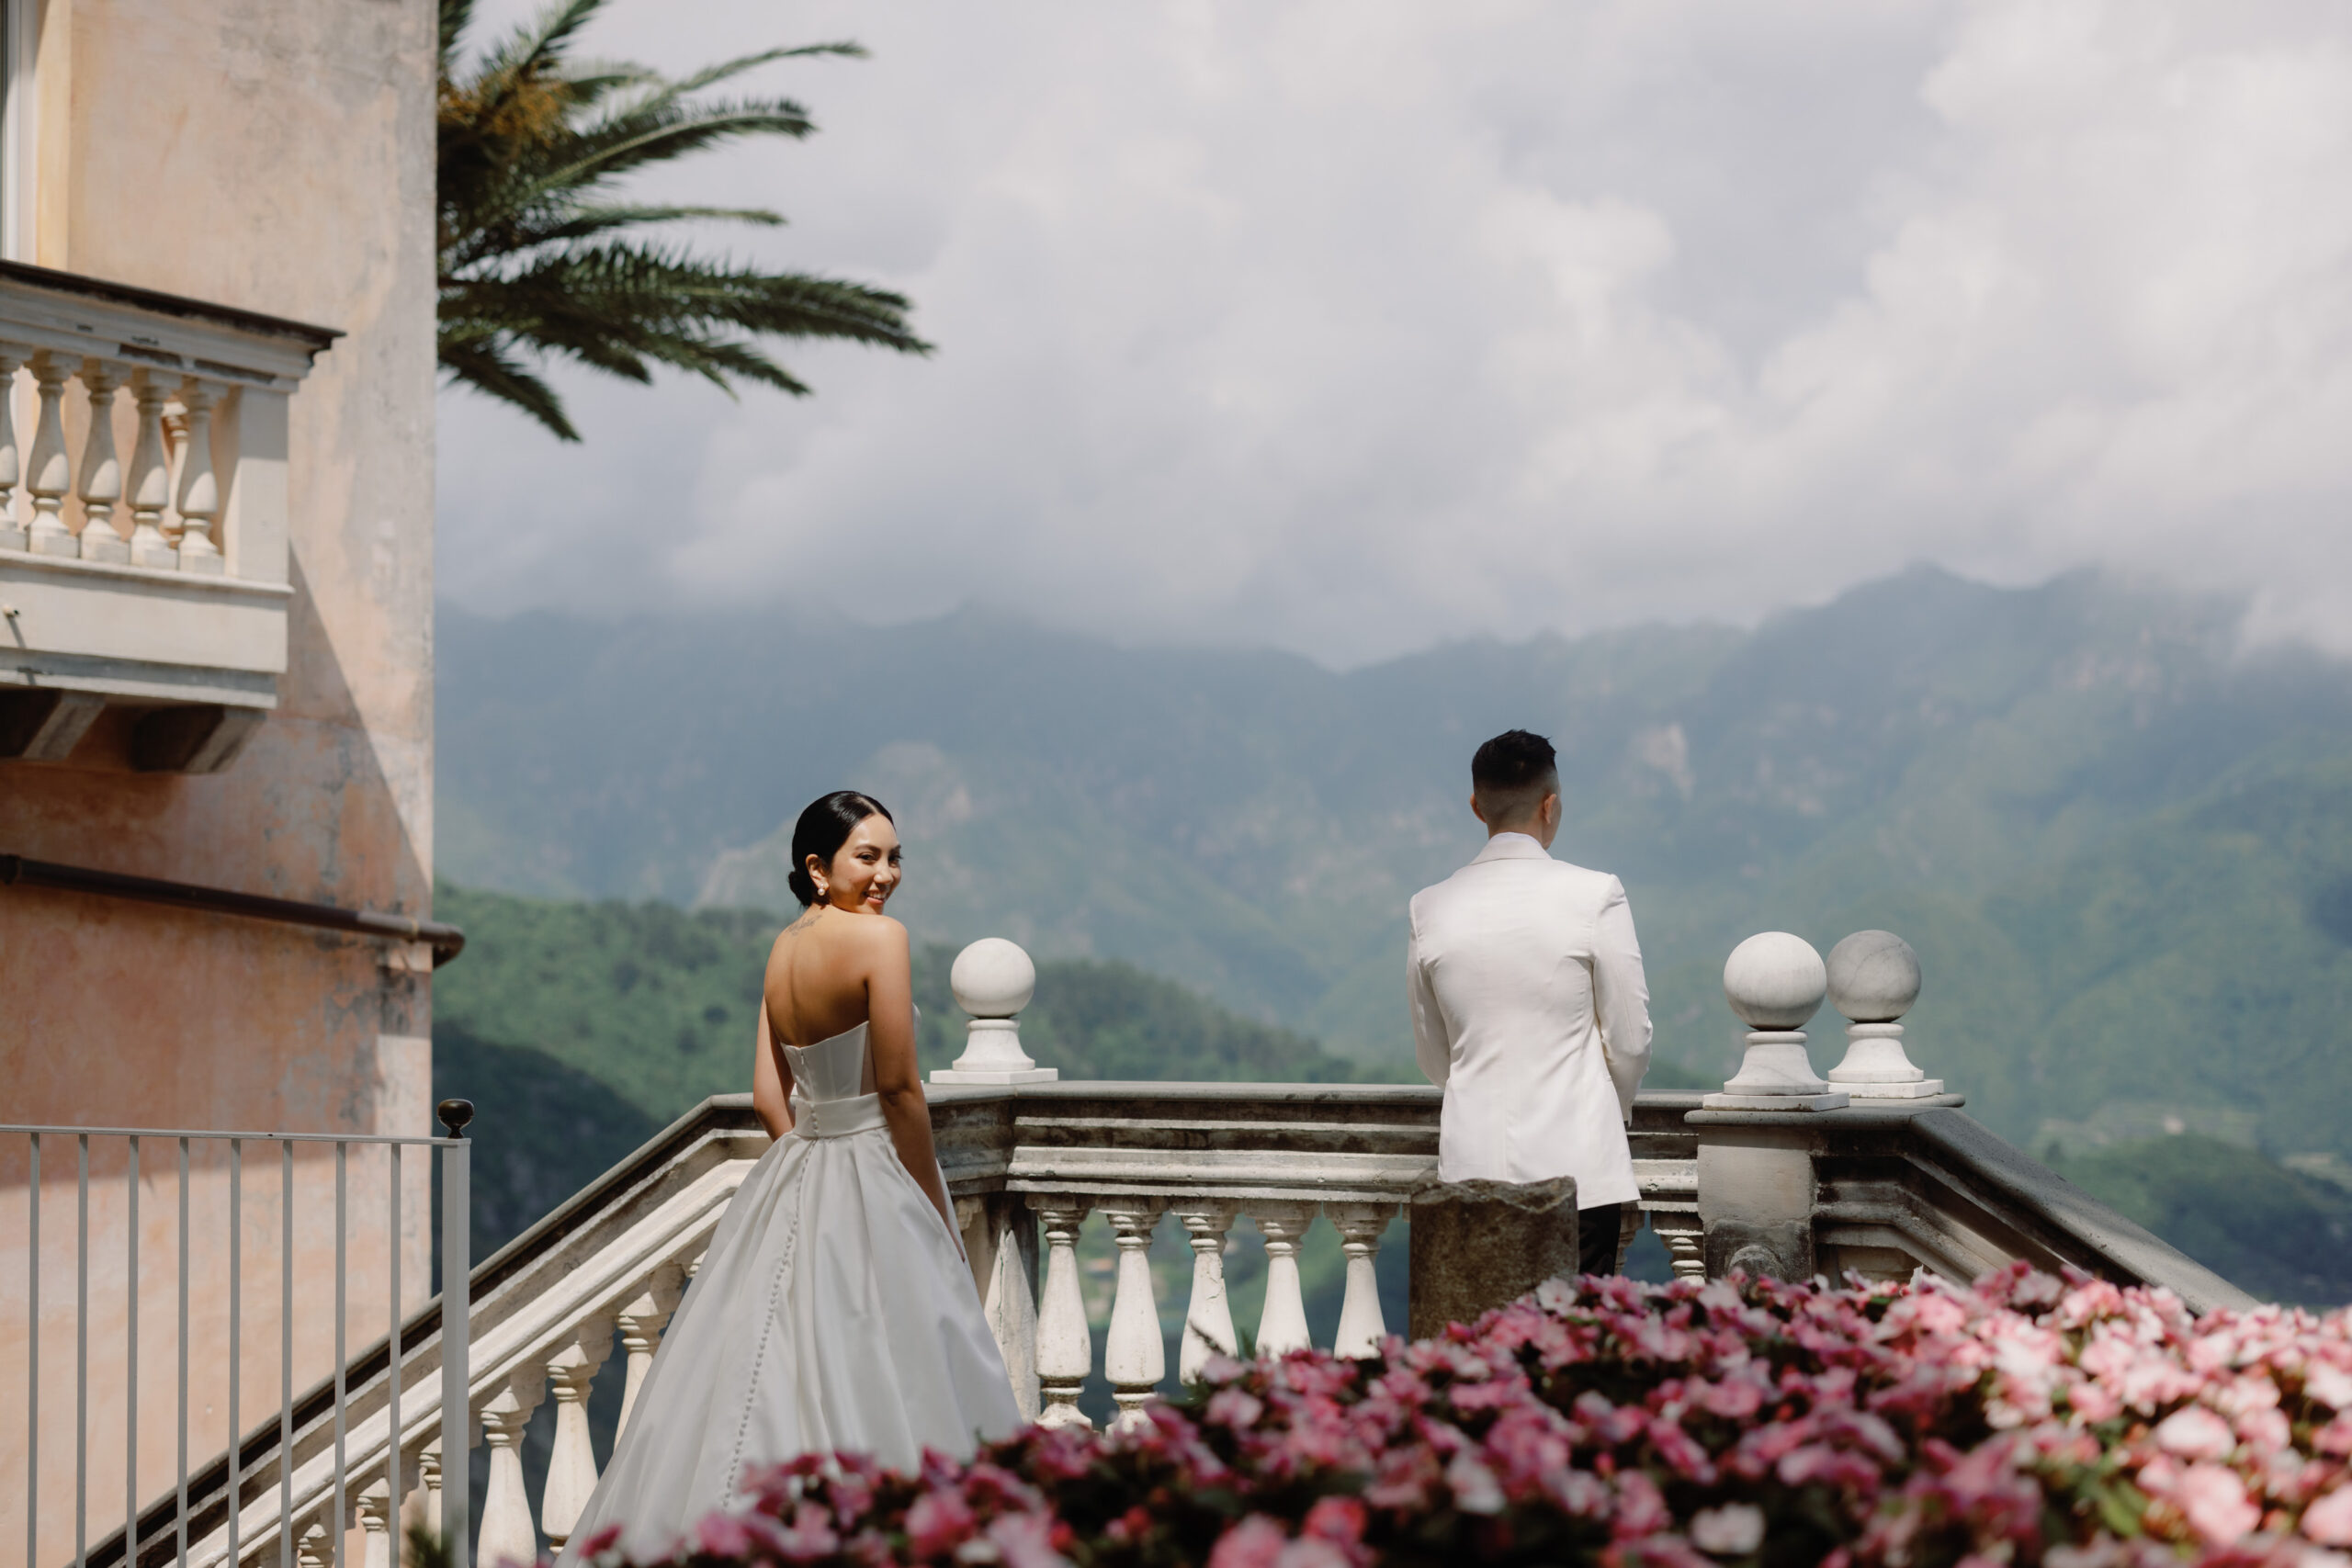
831 1069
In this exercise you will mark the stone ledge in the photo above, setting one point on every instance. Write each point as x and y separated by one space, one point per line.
1868 1113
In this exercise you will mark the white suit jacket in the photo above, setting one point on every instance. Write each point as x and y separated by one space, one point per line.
1530 1010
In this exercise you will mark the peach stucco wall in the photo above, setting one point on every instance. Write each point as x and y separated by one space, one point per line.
276 155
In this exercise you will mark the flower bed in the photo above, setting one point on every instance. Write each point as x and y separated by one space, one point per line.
2028 1420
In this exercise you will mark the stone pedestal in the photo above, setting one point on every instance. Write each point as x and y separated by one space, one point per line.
1775 981
1776 1075
1477 1244
1873 980
1757 1190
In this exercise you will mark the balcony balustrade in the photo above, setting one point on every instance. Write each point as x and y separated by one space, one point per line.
1890 1181
156 581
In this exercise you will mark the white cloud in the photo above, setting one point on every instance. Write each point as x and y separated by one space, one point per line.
1353 324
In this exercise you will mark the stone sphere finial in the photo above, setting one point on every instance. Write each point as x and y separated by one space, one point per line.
1874 977
1775 981
993 978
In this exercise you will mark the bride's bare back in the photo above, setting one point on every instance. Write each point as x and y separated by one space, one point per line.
822 971
842 964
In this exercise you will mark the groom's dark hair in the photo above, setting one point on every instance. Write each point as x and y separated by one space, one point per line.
1512 775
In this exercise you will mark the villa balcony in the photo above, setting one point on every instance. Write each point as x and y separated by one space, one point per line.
157 580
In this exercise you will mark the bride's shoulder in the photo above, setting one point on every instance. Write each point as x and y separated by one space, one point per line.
867 933
881 929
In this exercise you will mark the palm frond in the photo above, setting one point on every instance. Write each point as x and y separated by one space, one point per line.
657 134
586 223
710 76
487 370
536 262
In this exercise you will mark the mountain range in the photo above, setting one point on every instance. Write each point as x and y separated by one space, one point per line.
2119 839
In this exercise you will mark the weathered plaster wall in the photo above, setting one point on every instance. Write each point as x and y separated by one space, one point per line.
276 155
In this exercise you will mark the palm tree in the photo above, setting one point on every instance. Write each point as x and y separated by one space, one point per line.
540 258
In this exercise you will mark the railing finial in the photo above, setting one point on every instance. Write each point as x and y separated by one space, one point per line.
1873 981
1775 982
455 1114
993 980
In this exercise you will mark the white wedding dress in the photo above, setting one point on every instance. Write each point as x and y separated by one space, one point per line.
834 1312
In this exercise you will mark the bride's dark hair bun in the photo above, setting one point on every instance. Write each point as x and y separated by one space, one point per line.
821 831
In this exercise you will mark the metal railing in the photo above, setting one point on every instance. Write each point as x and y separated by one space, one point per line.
248 1458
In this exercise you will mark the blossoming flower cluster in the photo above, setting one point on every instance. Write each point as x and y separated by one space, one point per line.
2028 1420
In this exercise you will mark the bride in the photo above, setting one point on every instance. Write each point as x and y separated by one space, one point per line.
834 1310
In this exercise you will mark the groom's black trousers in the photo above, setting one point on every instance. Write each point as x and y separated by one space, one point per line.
1597 1238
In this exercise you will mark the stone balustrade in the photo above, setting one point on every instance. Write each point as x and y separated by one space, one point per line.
1774 1181
143 524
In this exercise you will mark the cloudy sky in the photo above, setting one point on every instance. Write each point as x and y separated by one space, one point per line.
1352 325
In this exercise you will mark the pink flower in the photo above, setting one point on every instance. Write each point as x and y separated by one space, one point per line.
810 1534
596 1545
1734 1529
2094 1402
2215 1503
1475 1488
1339 1521
2329 1520
1233 1407
1641 1508
2195 1432
722 1534
2331 1385
1220 1369
1405 1478
1733 1399
1025 1540
997 1488
1256 1542
938 1523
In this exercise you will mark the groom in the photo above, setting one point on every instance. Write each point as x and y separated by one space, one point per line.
1530 1008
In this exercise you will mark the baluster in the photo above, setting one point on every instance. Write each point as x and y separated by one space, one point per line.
53 473
428 1475
572 1465
12 533
312 1548
1685 1237
1134 1357
199 493
373 1507
151 476
1013 1319
1065 1348
507 1533
1282 1326
641 1323
100 483
1361 1328
1208 1317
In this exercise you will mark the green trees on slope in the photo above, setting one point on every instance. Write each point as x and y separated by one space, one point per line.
542 253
